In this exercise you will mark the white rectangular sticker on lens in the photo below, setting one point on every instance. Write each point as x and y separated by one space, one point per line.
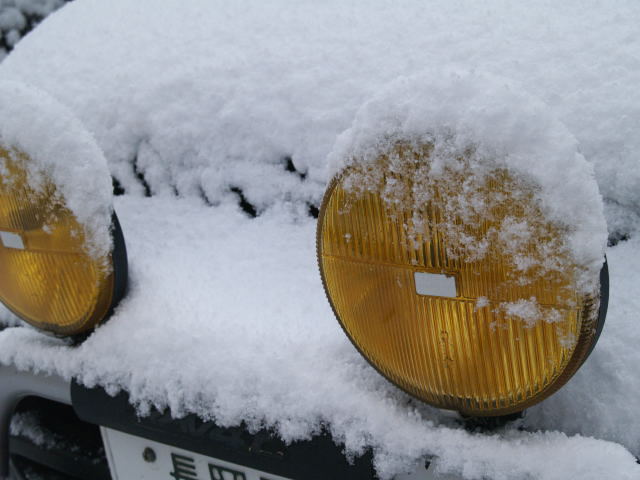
435 284
12 240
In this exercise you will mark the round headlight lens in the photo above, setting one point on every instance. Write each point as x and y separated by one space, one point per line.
48 277
446 307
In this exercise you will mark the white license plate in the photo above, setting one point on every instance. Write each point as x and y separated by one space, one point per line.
132 457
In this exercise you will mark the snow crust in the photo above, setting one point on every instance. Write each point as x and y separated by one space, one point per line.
61 151
226 315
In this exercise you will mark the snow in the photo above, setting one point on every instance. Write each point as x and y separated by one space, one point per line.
60 151
17 17
217 353
225 316
479 126
29 425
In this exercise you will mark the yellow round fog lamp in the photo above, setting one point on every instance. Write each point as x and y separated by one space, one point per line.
434 285
49 277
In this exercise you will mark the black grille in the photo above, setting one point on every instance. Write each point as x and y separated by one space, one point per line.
49 442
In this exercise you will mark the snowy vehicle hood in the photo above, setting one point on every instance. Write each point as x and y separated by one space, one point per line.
217 121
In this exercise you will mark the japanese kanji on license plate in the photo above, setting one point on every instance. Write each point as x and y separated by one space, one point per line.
134 457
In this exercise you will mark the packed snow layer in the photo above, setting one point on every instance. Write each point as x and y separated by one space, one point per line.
195 95
61 152
226 317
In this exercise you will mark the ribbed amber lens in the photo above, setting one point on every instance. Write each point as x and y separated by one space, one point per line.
48 279
430 316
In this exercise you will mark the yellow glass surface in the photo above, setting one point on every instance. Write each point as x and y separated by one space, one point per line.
48 279
464 353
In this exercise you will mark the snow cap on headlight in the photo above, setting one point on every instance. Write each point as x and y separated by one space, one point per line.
55 216
460 243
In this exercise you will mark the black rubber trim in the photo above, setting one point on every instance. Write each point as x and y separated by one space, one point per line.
120 264
316 459
604 305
